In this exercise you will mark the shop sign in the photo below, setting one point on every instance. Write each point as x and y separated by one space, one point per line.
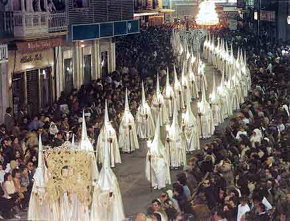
31 58
39 45
104 30
3 53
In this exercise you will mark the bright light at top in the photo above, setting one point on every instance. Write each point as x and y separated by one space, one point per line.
207 14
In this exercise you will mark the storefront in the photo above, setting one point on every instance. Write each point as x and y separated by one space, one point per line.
80 62
31 74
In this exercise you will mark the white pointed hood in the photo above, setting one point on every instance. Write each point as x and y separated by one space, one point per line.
175 75
127 101
157 85
213 96
143 95
204 100
156 146
106 113
73 140
183 77
85 143
39 178
189 116
167 78
175 116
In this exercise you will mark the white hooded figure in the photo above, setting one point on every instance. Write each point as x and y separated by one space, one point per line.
175 145
108 132
185 81
192 80
168 95
224 96
158 107
206 117
128 140
190 129
144 120
107 199
216 105
178 91
157 165
38 207
86 145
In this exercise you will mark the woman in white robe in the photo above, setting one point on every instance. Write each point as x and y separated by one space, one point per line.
144 119
128 140
190 129
168 95
108 131
158 107
157 165
175 145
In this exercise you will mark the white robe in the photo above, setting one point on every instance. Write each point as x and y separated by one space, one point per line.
168 95
175 147
114 146
144 122
107 203
128 140
158 170
178 94
159 109
157 165
206 121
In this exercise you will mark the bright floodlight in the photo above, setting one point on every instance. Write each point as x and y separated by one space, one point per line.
207 14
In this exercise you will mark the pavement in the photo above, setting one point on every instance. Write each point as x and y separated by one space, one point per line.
135 189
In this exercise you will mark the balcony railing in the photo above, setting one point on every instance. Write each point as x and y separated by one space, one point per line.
57 22
30 23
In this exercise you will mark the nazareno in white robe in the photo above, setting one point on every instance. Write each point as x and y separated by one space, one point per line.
190 129
39 208
206 117
108 131
128 140
175 145
158 107
178 92
157 166
144 119
107 200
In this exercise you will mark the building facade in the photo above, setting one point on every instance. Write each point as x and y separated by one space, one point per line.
44 59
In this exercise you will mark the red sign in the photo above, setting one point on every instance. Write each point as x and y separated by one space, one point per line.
39 45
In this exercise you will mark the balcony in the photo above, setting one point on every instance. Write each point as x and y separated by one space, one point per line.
57 22
21 24
28 24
